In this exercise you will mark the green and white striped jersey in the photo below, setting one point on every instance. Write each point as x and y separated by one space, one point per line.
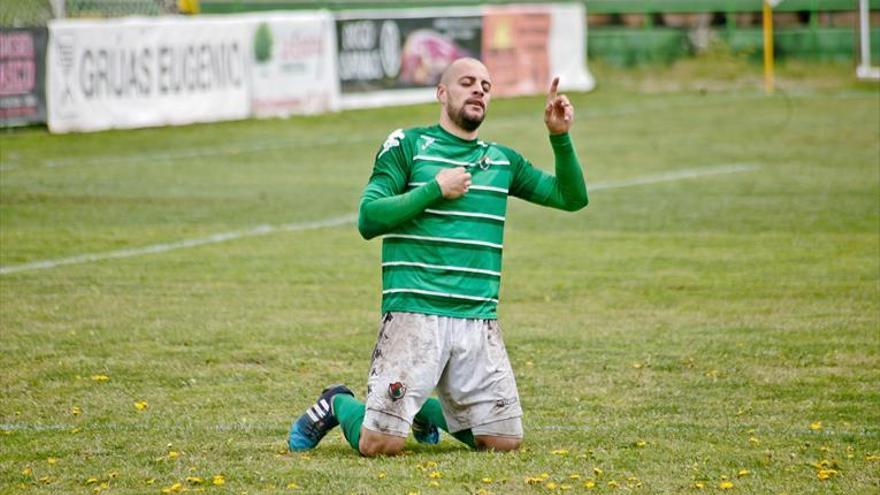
441 256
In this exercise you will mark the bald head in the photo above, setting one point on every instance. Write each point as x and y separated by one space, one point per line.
461 67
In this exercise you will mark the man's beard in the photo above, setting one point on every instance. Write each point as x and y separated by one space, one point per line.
465 121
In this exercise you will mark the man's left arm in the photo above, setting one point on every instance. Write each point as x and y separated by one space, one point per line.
567 190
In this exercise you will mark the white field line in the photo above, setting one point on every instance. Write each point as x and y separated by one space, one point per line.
161 248
340 220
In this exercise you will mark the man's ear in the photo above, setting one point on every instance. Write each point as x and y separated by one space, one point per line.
441 93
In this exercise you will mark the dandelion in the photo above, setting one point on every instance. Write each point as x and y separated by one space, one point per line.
487 480
76 410
613 484
113 475
574 477
76 430
743 472
218 480
175 488
872 457
195 480
564 487
149 481
91 481
551 486
641 444
637 366
434 483
173 454
725 485
816 425
699 485
381 476
597 471
435 475
292 486
589 484
141 405
560 452
52 461
27 471
100 378
825 474
754 441
46 480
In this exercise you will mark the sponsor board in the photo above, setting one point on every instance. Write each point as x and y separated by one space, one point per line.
293 69
141 72
22 76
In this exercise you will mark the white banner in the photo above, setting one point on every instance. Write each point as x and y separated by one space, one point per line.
141 72
294 64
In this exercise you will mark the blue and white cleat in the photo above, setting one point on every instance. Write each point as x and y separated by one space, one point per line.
425 432
310 428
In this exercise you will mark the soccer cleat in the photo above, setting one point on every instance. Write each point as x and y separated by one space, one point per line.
310 428
425 432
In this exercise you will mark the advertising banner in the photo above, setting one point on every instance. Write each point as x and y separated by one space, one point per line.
396 57
141 72
293 64
22 76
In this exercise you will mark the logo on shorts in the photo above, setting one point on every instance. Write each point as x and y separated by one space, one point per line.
396 390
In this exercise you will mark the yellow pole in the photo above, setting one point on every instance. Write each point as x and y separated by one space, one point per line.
768 47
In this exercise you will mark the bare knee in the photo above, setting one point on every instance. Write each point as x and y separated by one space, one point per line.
498 444
373 443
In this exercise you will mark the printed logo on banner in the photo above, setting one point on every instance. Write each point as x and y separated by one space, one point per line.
22 76
66 47
377 54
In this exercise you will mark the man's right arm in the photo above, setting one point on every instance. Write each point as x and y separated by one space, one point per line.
383 207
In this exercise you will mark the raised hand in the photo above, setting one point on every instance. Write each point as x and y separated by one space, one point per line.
558 113
454 182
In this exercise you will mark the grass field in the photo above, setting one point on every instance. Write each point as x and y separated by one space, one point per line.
709 321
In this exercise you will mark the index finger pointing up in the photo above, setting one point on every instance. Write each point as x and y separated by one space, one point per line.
553 86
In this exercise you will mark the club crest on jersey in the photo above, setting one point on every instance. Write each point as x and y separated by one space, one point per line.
396 390
392 141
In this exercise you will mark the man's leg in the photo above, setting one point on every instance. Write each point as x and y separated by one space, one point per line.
350 414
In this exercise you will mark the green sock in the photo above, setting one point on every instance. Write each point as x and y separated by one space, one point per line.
350 414
432 412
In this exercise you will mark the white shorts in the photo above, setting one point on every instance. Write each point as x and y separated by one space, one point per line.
464 359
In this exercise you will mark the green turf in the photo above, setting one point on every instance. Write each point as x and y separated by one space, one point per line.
670 334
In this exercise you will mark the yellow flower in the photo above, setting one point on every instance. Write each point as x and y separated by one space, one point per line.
534 480
560 452
381 476
597 471
75 410
574 476
551 485
141 405
754 441
435 475
725 485
825 474
743 472
641 443
52 461
76 430
613 484
219 480
292 486
487 480
589 484
564 487
637 366
173 454
816 425
27 471
91 481
699 485
172 489
872 457
100 378
434 483
150 481
195 480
